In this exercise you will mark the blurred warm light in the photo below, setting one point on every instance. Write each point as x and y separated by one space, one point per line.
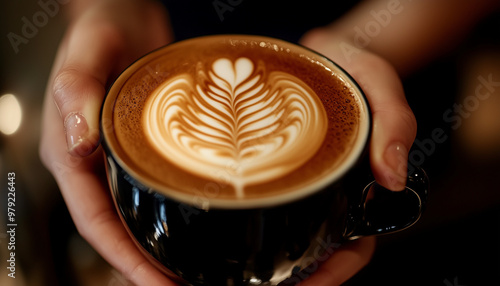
10 114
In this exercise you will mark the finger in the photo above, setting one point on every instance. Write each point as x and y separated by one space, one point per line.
394 125
79 84
99 224
344 263
90 205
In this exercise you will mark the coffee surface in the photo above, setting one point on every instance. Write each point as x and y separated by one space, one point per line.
232 118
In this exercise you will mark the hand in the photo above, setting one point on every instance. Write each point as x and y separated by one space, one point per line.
394 125
344 263
100 43
394 129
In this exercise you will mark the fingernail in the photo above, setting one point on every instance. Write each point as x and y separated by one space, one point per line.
77 134
396 158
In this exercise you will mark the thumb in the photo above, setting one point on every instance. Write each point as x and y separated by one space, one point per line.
394 125
88 57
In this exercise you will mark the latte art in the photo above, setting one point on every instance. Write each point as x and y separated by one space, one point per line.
234 121
235 118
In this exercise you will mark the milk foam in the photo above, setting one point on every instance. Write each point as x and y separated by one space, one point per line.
238 119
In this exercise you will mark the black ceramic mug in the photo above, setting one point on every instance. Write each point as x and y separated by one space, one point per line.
243 160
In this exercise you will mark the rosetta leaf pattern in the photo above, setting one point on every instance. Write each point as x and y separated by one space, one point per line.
237 119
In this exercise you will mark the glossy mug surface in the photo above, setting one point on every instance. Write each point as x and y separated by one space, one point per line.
242 160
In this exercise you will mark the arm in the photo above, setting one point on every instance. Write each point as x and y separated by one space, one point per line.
407 33
380 40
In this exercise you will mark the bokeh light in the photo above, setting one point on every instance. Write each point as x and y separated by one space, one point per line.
10 114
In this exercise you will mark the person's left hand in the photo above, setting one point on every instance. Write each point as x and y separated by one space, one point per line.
394 129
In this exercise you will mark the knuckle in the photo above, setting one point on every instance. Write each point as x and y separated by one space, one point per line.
409 119
72 88
64 85
406 117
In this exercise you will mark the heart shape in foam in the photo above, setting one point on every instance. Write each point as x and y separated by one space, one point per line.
235 121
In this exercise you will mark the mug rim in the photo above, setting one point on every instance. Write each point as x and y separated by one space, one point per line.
351 161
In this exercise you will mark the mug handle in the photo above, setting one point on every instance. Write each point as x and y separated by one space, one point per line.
382 211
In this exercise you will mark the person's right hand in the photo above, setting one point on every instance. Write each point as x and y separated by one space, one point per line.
101 41
394 129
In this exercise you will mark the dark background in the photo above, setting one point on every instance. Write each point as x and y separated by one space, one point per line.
456 242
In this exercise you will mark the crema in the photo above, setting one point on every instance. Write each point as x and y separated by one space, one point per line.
233 118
